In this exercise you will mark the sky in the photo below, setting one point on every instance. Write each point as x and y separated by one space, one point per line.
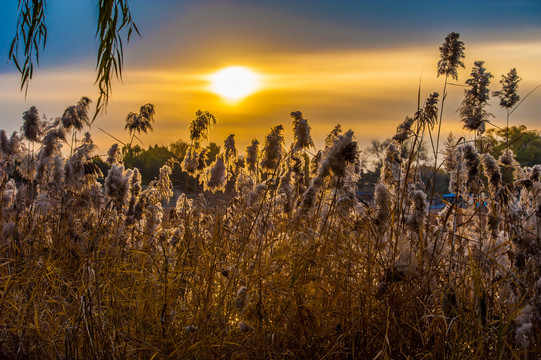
357 63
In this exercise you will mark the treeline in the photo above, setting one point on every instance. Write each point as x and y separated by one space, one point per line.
150 160
525 144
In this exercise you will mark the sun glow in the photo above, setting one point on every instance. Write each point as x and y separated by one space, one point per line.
234 82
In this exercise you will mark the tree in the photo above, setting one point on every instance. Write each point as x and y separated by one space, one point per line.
178 148
114 17
376 150
526 144
151 160
214 150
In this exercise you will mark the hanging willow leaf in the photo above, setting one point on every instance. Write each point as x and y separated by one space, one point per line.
110 51
114 16
31 35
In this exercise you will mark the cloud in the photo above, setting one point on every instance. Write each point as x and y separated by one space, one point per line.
367 89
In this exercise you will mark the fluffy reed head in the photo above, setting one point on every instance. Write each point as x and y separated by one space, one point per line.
252 154
476 95
273 149
301 132
141 122
451 55
508 94
32 125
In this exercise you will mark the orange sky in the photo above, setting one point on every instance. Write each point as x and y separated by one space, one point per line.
369 91
332 70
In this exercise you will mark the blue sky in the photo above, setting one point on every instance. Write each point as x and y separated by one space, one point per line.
306 25
323 57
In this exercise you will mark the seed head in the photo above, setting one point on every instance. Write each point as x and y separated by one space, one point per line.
418 211
142 122
383 209
215 177
337 157
471 163
190 162
164 186
9 147
403 130
451 55
52 142
314 163
329 140
114 155
492 172
9 194
476 96
76 116
32 126
273 149
390 172
429 115
42 204
507 158
301 132
252 154
508 94
201 160
230 152
117 184
200 126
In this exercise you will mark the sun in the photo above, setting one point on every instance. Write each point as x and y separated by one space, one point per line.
234 83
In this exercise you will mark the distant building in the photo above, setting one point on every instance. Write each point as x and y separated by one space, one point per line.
366 196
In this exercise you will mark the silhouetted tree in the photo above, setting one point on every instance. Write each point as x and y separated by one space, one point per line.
525 144
178 148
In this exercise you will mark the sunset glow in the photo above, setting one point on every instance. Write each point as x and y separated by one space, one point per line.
234 82
262 179
251 73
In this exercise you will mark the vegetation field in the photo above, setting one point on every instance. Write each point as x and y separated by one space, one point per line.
289 263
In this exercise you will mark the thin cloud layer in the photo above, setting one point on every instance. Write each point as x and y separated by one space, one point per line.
358 64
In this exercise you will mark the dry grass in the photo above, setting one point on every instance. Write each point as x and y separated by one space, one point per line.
290 267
